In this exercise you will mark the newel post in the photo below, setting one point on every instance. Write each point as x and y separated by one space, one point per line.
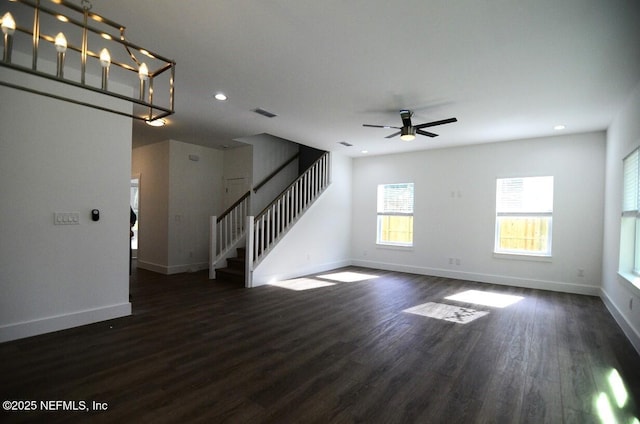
213 242
248 270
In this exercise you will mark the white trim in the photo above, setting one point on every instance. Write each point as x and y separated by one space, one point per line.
523 257
150 266
627 328
172 269
62 322
504 280
632 281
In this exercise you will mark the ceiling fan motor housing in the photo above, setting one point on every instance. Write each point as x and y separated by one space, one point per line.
406 117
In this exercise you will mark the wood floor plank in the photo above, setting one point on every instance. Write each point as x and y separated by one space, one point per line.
197 350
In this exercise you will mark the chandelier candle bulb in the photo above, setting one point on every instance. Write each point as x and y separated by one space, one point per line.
105 62
61 48
143 74
8 28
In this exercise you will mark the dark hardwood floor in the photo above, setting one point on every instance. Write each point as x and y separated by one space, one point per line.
196 350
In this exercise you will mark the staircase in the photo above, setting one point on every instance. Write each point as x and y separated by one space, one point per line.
254 238
235 270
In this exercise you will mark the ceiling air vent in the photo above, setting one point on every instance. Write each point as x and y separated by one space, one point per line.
344 143
264 113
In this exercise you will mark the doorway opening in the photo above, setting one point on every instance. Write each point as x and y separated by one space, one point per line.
134 201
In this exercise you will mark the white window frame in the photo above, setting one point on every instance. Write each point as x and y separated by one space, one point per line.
408 210
503 210
629 259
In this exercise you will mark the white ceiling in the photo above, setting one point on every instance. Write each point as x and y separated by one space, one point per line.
507 69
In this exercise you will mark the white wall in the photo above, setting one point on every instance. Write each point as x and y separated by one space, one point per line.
238 163
455 211
269 153
320 240
151 162
622 299
60 157
195 194
177 197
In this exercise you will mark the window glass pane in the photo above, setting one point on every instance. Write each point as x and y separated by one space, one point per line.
395 214
523 234
524 208
628 236
395 229
636 258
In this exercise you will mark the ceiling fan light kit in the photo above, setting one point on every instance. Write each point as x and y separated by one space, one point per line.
407 133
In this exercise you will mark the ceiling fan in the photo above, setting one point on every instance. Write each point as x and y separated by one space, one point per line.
407 131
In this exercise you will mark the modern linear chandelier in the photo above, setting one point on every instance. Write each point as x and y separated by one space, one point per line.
69 44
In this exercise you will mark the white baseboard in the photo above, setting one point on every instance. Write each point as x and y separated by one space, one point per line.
173 269
629 331
177 269
485 278
62 322
150 266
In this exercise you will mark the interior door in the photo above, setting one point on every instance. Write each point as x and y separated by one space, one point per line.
234 189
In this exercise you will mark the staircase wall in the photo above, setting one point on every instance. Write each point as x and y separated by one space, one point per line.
269 152
320 240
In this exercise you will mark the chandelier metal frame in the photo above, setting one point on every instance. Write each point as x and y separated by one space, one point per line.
143 106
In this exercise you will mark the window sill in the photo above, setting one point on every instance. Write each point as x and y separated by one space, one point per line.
521 257
394 247
632 280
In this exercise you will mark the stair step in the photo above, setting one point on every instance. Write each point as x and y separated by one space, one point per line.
236 263
234 271
230 274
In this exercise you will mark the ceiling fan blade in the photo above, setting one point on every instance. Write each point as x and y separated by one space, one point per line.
393 135
379 126
428 134
434 123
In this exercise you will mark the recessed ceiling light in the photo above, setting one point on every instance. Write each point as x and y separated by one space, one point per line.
559 127
220 96
364 151
157 122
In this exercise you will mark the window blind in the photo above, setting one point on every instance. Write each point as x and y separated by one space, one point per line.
631 186
524 195
395 198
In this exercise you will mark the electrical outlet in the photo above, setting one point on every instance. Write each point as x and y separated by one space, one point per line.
457 261
580 272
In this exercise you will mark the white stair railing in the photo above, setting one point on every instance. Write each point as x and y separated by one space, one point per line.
226 231
278 217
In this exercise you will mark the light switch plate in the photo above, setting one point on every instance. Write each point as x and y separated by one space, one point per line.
66 218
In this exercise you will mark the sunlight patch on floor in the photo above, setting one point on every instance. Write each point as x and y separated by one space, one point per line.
347 276
484 298
446 312
299 284
612 405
